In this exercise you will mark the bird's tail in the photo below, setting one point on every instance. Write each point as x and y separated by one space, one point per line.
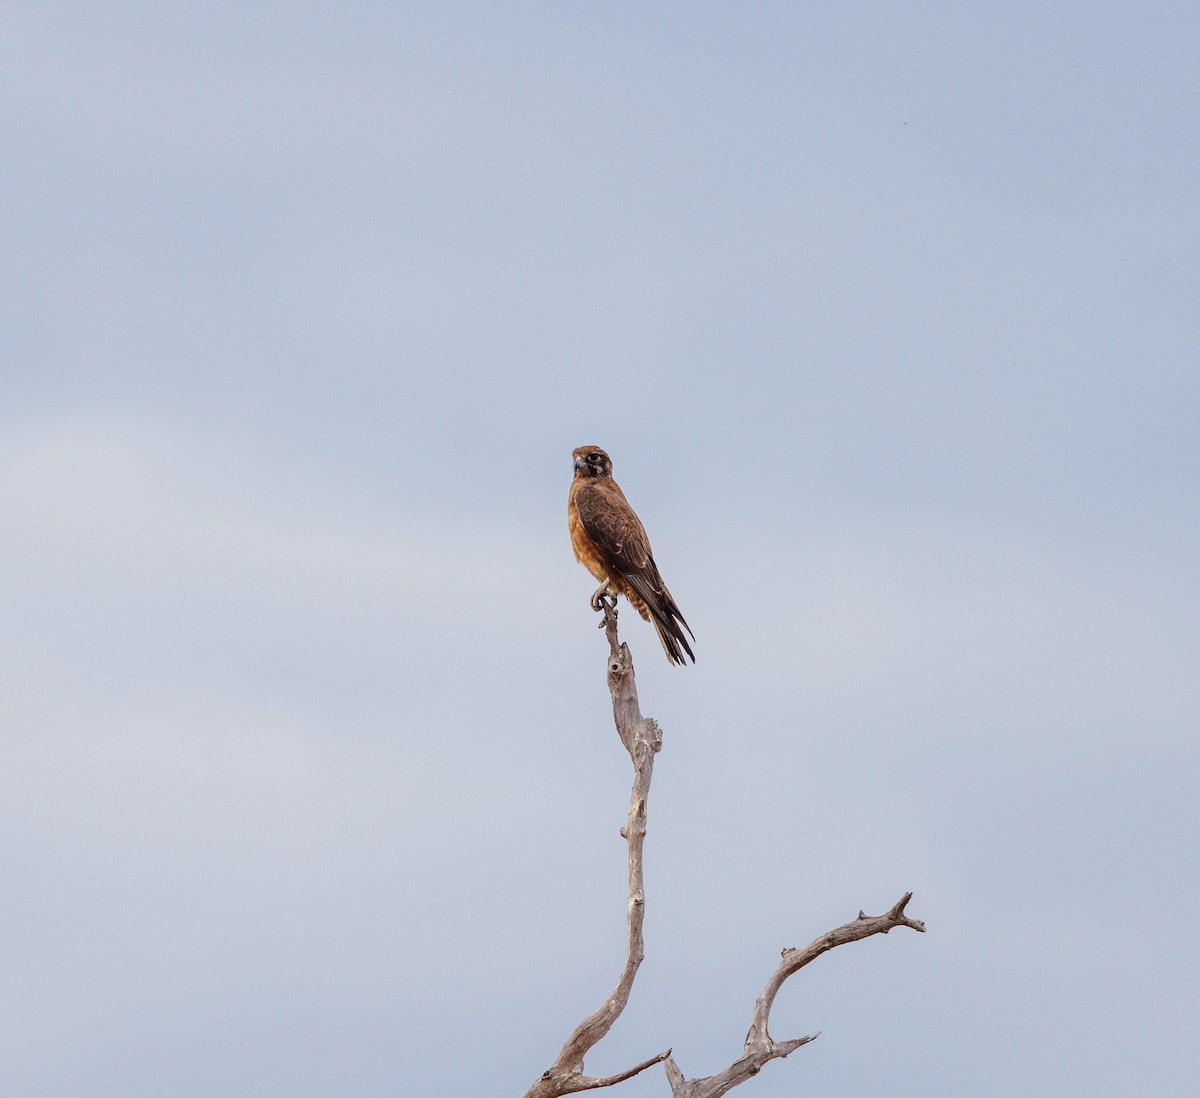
651 599
675 643
669 624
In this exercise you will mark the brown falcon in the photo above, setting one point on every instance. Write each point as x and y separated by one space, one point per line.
611 543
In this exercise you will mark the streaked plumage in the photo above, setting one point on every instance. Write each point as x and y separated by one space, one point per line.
610 541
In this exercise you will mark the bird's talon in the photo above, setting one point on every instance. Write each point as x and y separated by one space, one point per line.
601 596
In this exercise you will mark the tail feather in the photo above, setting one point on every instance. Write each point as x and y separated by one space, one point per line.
672 638
658 608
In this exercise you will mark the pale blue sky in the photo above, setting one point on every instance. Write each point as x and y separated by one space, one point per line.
888 316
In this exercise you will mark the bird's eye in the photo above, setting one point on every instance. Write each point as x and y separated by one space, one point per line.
593 458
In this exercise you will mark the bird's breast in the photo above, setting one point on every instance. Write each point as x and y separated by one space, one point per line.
584 548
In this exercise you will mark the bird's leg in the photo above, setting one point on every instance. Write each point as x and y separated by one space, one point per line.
602 593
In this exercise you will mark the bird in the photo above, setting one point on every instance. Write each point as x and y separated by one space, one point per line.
610 541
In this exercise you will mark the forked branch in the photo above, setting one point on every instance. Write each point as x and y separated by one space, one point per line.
642 739
760 1048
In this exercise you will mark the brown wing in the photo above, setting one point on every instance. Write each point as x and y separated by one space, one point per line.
612 525
618 534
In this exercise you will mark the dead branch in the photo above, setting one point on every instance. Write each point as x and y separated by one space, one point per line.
642 739
759 1047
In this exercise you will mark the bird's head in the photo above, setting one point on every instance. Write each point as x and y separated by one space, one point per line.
591 461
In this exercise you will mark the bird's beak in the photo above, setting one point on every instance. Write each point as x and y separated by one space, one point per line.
579 463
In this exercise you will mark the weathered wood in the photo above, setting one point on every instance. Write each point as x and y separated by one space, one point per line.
760 1048
642 738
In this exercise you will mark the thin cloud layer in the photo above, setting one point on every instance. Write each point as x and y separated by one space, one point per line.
887 320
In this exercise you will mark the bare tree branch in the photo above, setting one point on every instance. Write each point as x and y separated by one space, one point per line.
759 1047
621 1076
642 739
